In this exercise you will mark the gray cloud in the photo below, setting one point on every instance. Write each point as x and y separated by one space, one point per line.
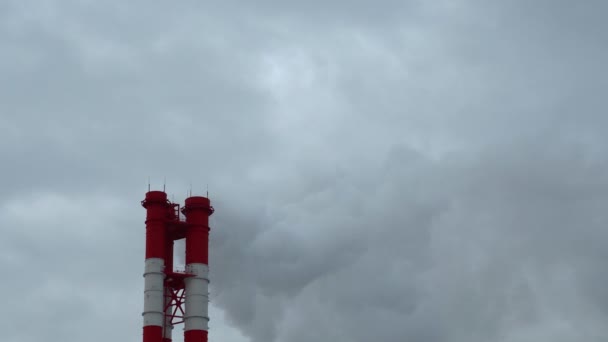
403 171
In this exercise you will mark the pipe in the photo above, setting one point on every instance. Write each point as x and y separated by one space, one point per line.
168 325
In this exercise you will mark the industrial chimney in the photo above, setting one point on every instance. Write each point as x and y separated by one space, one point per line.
170 296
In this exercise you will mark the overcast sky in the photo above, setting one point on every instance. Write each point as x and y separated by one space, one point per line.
424 171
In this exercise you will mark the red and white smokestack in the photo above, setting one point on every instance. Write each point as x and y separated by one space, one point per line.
154 276
196 319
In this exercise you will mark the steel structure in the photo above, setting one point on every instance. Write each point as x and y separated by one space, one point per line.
172 297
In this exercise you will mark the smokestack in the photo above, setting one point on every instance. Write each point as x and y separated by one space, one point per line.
154 275
172 297
197 210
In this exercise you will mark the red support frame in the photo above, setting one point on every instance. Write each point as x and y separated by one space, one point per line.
177 302
175 284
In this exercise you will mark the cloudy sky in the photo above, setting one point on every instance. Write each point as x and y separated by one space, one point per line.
425 171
